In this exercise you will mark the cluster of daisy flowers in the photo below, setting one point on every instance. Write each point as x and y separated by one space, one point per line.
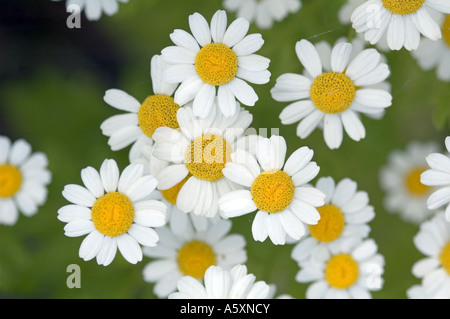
194 166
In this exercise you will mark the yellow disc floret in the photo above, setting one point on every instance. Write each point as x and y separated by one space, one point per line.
332 92
330 225
216 64
413 183
445 258
403 6
10 180
341 271
112 214
156 111
272 191
171 194
446 30
207 156
194 258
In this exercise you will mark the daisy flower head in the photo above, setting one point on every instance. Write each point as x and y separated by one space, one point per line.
140 121
346 213
219 283
438 176
198 153
403 21
433 240
400 180
263 12
112 209
436 54
94 9
333 99
351 269
215 60
184 250
276 189
23 180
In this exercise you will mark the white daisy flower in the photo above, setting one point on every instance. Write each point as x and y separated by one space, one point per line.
94 9
400 180
185 251
263 12
345 14
215 60
23 180
333 99
350 270
276 189
402 21
433 240
222 284
438 175
436 54
198 152
141 120
346 213
112 211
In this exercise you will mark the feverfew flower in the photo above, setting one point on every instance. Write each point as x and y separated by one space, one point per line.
438 175
402 21
141 120
346 213
333 99
350 269
222 284
433 240
263 12
276 189
93 9
185 251
215 60
436 54
400 181
23 180
112 210
198 152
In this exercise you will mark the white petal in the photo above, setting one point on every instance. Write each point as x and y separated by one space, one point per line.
249 45
332 130
340 56
353 125
236 32
200 28
129 248
308 56
298 160
121 100
236 203
143 235
185 40
78 195
218 26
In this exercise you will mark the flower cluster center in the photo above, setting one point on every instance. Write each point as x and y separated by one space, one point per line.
272 191
333 92
194 258
341 271
403 6
156 111
413 183
10 180
207 157
216 64
330 225
112 214
446 30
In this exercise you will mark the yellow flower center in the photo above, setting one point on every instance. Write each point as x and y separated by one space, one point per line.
330 225
341 271
403 6
207 156
216 64
112 214
194 258
171 194
446 30
332 92
445 258
10 180
156 111
272 191
413 183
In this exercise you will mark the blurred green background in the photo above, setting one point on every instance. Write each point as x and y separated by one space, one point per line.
52 81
